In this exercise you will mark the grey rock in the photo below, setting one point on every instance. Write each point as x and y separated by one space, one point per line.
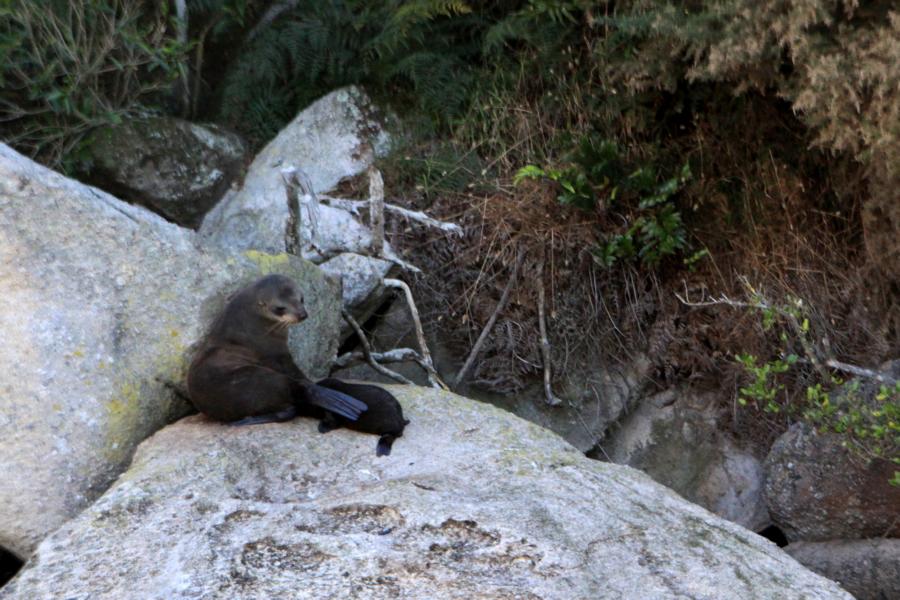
100 304
818 490
472 503
361 279
676 438
175 168
868 569
336 137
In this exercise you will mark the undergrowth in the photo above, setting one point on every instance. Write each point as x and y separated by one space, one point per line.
69 67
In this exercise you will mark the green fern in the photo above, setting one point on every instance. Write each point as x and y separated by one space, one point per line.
418 53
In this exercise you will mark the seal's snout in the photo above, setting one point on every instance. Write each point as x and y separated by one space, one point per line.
301 315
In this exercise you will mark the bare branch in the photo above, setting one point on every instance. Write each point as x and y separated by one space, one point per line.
490 324
545 342
808 349
367 351
391 356
879 376
300 194
353 206
433 377
376 211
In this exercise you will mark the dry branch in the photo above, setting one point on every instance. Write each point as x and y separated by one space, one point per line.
811 353
376 211
300 193
545 342
391 356
418 216
367 351
433 377
490 324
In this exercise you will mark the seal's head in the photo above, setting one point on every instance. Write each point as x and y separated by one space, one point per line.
278 299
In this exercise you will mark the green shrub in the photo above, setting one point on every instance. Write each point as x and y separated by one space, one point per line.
596 179
68 67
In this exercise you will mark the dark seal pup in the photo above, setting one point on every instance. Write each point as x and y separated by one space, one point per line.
243 372
384 416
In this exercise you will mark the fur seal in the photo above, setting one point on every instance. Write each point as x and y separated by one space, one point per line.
384 416
243 372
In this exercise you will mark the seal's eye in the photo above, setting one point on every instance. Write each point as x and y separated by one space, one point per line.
279 310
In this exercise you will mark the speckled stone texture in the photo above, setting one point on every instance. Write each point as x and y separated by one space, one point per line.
100 304
175 168
472 503
335 137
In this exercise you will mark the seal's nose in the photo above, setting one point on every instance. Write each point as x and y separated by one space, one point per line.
301 314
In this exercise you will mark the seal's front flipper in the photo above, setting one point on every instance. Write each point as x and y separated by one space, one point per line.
384 444
276 417
335 401
328 423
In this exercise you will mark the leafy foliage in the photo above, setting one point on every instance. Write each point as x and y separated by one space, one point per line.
596 179
422 51
867 419
67 67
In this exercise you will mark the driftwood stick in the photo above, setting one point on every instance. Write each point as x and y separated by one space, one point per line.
545 342
353 206
376 211
391 356
433 377
879 376
490 324
367 351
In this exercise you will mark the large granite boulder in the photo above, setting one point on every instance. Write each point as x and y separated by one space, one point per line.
100 304
173 167
676 437
868 569
472 503
338 136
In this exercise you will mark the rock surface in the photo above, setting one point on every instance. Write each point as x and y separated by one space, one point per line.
675 438
817 490
472 503
175 168
336 137
101 302
868 569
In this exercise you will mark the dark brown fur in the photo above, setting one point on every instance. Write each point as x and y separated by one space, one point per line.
243 371
383 417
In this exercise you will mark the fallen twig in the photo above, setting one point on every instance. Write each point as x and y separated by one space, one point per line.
376 211
545 342
391 356
353 206
367 351
490 324
300 193
433 377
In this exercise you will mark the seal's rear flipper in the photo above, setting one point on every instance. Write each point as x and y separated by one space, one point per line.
276 417
384 444
335 401
328 423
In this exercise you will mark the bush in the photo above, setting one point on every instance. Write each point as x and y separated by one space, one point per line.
68 67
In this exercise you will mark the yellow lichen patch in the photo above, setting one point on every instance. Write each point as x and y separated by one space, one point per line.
123 413
269 263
